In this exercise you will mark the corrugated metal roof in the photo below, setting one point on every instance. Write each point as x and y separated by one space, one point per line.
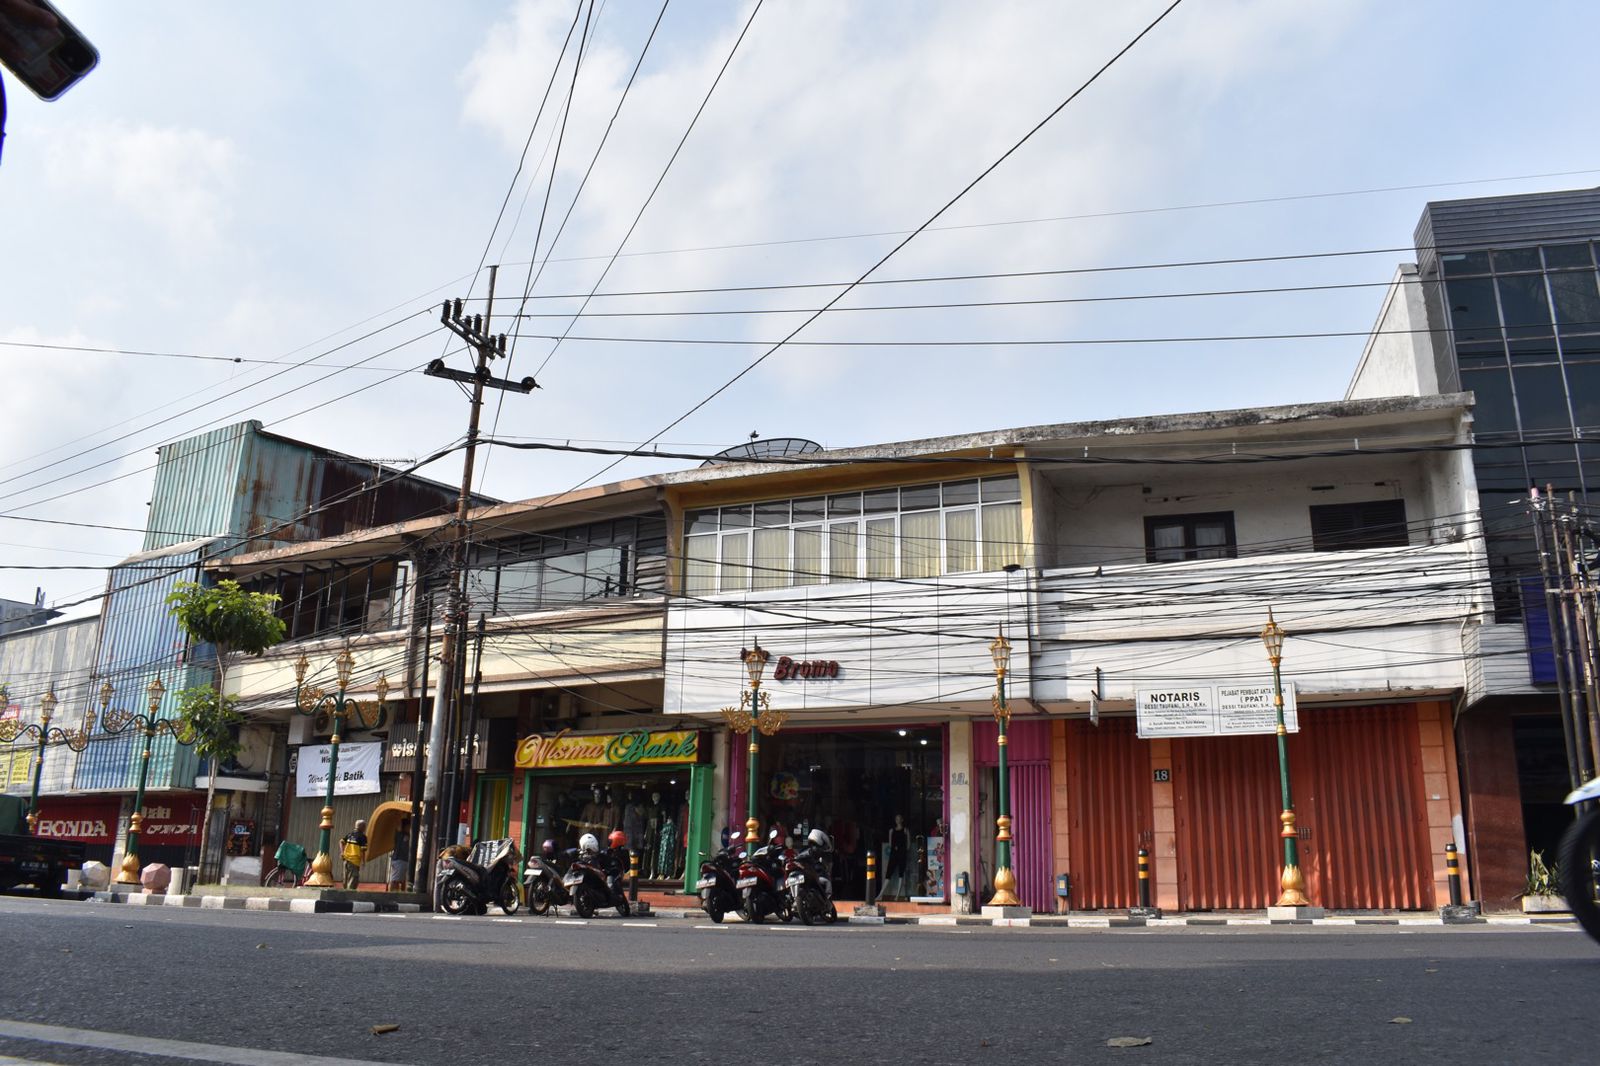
1500 221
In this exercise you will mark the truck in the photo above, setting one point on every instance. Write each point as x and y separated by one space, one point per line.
32 862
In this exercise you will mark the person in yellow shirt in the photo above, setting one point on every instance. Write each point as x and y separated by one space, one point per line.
354 850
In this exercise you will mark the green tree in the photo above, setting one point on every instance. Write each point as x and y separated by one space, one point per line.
234 622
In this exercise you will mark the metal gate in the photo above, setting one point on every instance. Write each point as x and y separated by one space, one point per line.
1108 769
1032 848
1361 814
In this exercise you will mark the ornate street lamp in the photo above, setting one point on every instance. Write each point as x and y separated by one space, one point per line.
150 722
339 706
754 711
45 733
1293 881
1005 881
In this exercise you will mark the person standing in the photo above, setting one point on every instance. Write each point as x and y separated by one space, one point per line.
354 850
400 857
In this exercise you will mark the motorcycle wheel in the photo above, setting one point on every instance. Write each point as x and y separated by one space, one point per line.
583 903
509 901
712 904
833 913
623 908
748 908
538 899
1580 850
454 898
810 906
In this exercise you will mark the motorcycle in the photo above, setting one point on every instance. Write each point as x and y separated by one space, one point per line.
542 883
488 874
810 889
718 883
595 882
761 882
1580 861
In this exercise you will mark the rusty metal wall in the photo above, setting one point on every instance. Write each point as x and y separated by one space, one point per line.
1358 793
1108 772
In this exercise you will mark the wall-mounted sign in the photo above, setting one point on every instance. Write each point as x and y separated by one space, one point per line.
176 821
1163 774
358 770
1213 711
639 747
92 821
490 746
788 669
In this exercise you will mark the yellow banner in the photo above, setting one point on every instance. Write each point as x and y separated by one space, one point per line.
16 768
609 750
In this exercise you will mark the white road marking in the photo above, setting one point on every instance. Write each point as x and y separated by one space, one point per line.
713 927
513 921
174 1049
445 917
640 925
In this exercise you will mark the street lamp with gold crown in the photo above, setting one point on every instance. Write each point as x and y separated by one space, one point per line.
45 733
150 723
339 705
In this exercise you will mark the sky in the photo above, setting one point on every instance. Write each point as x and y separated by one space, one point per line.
297 187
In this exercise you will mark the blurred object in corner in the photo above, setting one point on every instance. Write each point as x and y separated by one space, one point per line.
43 49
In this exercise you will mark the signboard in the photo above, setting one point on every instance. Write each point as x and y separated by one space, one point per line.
358 769
490 744
1213 711
639 747
177 820
16 768
90 821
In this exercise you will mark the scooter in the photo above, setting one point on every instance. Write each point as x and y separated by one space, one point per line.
761 884
542 880
810 889
719 875
595 883
1580 861
487 875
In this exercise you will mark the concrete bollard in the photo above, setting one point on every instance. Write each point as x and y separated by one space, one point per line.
1457 912
1144 909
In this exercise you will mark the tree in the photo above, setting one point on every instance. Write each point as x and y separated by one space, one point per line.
234 622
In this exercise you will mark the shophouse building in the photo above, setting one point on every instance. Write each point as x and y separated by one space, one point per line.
1503 302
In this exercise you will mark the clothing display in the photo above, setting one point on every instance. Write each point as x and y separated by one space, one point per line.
667 851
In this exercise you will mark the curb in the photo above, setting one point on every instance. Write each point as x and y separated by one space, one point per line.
279 904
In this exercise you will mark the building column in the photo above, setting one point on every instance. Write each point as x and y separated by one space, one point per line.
1494 802
1163 808
1060 800
1436 774
959 791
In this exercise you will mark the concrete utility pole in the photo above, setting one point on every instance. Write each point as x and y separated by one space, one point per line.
440 794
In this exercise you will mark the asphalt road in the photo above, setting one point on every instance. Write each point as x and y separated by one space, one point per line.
104 983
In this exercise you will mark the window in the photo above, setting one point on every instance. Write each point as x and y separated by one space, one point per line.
1175 538
1373 524
913 531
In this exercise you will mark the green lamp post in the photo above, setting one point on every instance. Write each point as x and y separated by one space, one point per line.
1292 882
754 714
150 723
45 733
339 705
1005 880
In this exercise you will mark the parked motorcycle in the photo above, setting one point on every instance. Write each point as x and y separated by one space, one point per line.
807 882
594 879
542 879
761 883
1580 861
718 883
487 874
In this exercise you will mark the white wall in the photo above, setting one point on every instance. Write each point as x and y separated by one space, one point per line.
1399 356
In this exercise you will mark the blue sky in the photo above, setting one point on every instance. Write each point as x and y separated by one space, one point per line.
267 183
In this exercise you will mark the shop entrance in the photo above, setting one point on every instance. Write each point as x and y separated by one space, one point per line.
871 790
653 809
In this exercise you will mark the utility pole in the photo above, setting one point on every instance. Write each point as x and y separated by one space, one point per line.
441 805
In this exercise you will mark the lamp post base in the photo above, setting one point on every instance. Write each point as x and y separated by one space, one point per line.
1005 889
321 872
128 872
1279 913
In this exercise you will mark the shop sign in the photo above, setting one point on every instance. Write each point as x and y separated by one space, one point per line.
639 747
1213 711
788 669
173 822
358 770
488 744
94 822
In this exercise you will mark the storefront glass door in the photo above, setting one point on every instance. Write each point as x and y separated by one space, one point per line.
493 813
652 809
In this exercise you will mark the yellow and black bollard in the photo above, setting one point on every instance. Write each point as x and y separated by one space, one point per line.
1453 870
1144 879
872 878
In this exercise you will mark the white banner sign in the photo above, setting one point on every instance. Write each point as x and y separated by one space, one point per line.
358 769
1213 710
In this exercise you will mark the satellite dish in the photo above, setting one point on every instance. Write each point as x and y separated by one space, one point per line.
769 448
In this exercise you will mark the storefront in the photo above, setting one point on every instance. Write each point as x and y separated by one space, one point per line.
655 786
872 789
90 820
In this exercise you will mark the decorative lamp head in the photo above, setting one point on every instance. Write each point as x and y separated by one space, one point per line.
343 663
1000 652
47 706
300 668
156 690
383 688
106 692
755 662
1272 637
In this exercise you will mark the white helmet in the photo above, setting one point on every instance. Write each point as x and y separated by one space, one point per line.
820 839
587 842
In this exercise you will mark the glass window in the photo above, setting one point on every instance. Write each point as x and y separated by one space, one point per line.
960 493
700 522
961 540
880 547
1577 302
736 517
1171 538
919 544
564 579
1584 381
735 566
1002 534
1512 260
480 587
1533 350
771 559
809 509
1541 398
919 497
1468 263
1523 303
700 573
842 562
808 555
772 514
1567 255
846 504
1473 313
880 500
1481 353
519 587
604 573
1493 412
1001 489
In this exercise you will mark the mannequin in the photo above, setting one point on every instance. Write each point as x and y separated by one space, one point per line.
667 849
895 869
610 815
633 820
652 834
589 820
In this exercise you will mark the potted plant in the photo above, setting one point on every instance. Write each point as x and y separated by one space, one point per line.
1542 893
